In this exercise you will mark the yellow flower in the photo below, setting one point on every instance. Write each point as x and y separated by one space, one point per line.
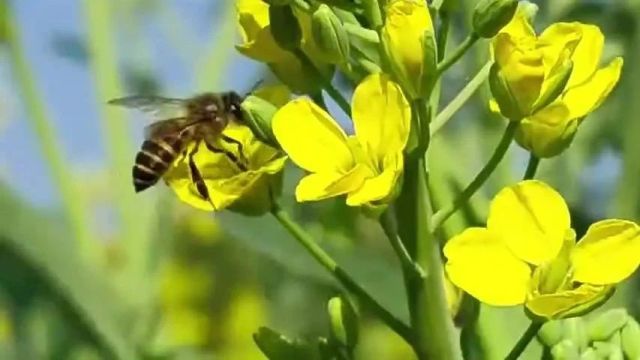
408 41
527 254
259 44
243 183
366 166
549 82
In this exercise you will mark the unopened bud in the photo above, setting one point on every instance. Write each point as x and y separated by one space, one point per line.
258 113
605 325
565 349
552 332
344 322
330 36
490 16
630 338
284 27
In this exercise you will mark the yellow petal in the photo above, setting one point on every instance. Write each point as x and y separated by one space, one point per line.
608 253
568 303
558 38
532 219
381 117
374 188
522 68
312 139
586 56
257 41
278 95
585 98
480 264
405 24
519 27
329 184
548 132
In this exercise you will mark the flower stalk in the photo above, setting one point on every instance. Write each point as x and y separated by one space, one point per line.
351 285
442 215
524 340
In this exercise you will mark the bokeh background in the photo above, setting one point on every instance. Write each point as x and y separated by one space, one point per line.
90 270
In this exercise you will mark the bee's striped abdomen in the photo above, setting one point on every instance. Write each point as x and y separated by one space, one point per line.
153 160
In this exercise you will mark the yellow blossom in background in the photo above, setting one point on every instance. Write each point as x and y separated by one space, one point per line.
407 37
527 254
549 82
258 44
244 183
366 166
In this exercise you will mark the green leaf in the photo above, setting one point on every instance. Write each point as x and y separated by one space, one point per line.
41 245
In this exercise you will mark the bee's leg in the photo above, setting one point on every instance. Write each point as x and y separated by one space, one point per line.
197 178
237 143
234 159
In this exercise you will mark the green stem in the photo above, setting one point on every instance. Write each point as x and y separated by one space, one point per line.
117 135
456 104
441 216
326 83
457 53
524 340
319 100
430 318
210 68
532 167
443 34
343 278
410 269
74 204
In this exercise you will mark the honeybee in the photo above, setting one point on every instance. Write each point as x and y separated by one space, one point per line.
199 119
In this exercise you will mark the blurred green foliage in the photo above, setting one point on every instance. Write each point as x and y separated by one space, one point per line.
174 283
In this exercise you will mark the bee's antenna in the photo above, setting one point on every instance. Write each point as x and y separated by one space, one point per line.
254 87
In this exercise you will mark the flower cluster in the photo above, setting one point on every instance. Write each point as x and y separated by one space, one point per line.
544 85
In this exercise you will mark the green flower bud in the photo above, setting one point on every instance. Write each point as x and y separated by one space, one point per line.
576 331
630 338
551 333
603 349
490 16
258 113
605 325
589 354
565 349
344 322
330 36
285 27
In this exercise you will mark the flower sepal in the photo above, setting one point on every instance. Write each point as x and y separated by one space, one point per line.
567 304
330 36
503 94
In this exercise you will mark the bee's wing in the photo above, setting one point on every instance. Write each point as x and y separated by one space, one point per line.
156 107
165 127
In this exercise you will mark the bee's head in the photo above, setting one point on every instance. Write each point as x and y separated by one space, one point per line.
232 102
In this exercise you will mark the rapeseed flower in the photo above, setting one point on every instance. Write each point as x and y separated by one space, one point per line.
550 82
365 166
527 254
408 40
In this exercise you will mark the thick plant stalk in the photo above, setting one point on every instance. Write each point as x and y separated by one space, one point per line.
74 204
